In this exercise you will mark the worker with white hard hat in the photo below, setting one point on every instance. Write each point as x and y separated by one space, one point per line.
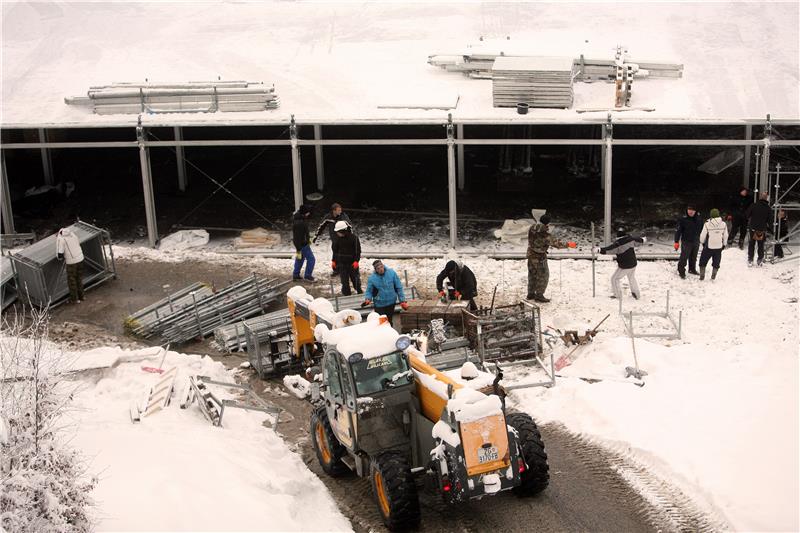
346 255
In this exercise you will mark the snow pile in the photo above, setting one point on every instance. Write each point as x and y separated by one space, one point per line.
468 405
297 385
370 338
175 471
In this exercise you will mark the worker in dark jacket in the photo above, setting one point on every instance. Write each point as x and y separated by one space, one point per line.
302 244
758 219
346 255
738 215
623 248
462 281
687 238
336 214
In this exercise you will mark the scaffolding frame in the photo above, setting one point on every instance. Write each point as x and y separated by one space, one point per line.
627 319
451 141
792 237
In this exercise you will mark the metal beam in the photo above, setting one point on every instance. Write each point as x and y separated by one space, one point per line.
460 156
451 185
607 181
748 134
318 162
424 254
5 202
763 184
297 175
147 188
47 161
181 161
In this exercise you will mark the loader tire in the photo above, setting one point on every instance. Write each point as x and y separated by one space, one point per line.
395 491
328 449
536 476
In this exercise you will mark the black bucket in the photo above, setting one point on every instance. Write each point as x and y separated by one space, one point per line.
522 109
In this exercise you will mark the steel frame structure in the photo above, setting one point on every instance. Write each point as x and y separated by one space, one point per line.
792 237
452 142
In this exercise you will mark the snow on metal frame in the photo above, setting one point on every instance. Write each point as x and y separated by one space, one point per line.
364 57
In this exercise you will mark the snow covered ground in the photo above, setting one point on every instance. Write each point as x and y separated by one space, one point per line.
174 471
718 414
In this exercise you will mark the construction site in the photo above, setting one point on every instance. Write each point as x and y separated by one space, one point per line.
206 365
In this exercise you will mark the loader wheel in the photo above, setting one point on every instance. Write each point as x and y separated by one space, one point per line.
329 450
395 491
536 476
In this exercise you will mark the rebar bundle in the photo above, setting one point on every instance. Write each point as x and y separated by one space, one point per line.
190 97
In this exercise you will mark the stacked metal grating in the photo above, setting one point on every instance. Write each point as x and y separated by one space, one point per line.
149 321
207 310
190 97
42 277
535 81
231 337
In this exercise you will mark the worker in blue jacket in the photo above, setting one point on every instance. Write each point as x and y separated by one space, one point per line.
384 289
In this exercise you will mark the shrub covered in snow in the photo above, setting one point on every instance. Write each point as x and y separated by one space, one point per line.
43 486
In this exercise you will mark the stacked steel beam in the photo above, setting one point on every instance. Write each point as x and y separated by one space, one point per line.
148 321
201 311
190 97
535 81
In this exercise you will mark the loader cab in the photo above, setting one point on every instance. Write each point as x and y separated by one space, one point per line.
375 375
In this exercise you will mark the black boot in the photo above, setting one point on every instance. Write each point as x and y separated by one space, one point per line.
714 273
540 298
702 273
682 274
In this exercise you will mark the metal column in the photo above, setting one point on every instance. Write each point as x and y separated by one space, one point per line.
607 182
460 156
451 181
603 160
319 164
5 202
147 186
297 176
748 134
47 161
180 160
763 182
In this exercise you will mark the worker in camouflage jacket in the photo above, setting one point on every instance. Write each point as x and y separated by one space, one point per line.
336 215
539 240
623 249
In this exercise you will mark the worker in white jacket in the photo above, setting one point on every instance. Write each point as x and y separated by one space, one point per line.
713 236
68 249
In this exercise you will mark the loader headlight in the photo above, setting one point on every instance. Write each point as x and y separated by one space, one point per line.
355 357
403 342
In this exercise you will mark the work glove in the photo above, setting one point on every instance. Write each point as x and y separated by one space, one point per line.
572 244
457 295
442 294
355 265
298 254
404 306
644 239
365 303
676 245
314 240
729 217
597 250
333 265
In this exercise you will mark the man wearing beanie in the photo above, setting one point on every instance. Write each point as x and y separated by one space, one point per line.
624 250
302 244
713 237
461 279
687 238
539 240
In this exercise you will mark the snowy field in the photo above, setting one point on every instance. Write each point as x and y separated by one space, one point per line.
174 471
718 414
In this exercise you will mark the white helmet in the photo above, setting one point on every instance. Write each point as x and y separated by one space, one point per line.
341 226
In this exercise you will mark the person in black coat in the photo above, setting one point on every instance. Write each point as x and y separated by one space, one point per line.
758 218
740 203
461 279
346 255
336 214
302 244
687 238
623 249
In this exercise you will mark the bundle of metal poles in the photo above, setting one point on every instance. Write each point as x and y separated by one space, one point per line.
190 97
148 321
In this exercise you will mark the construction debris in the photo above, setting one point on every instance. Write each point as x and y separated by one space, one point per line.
188 97
213 408
535 81
257 238
571 338
148 321
157 397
